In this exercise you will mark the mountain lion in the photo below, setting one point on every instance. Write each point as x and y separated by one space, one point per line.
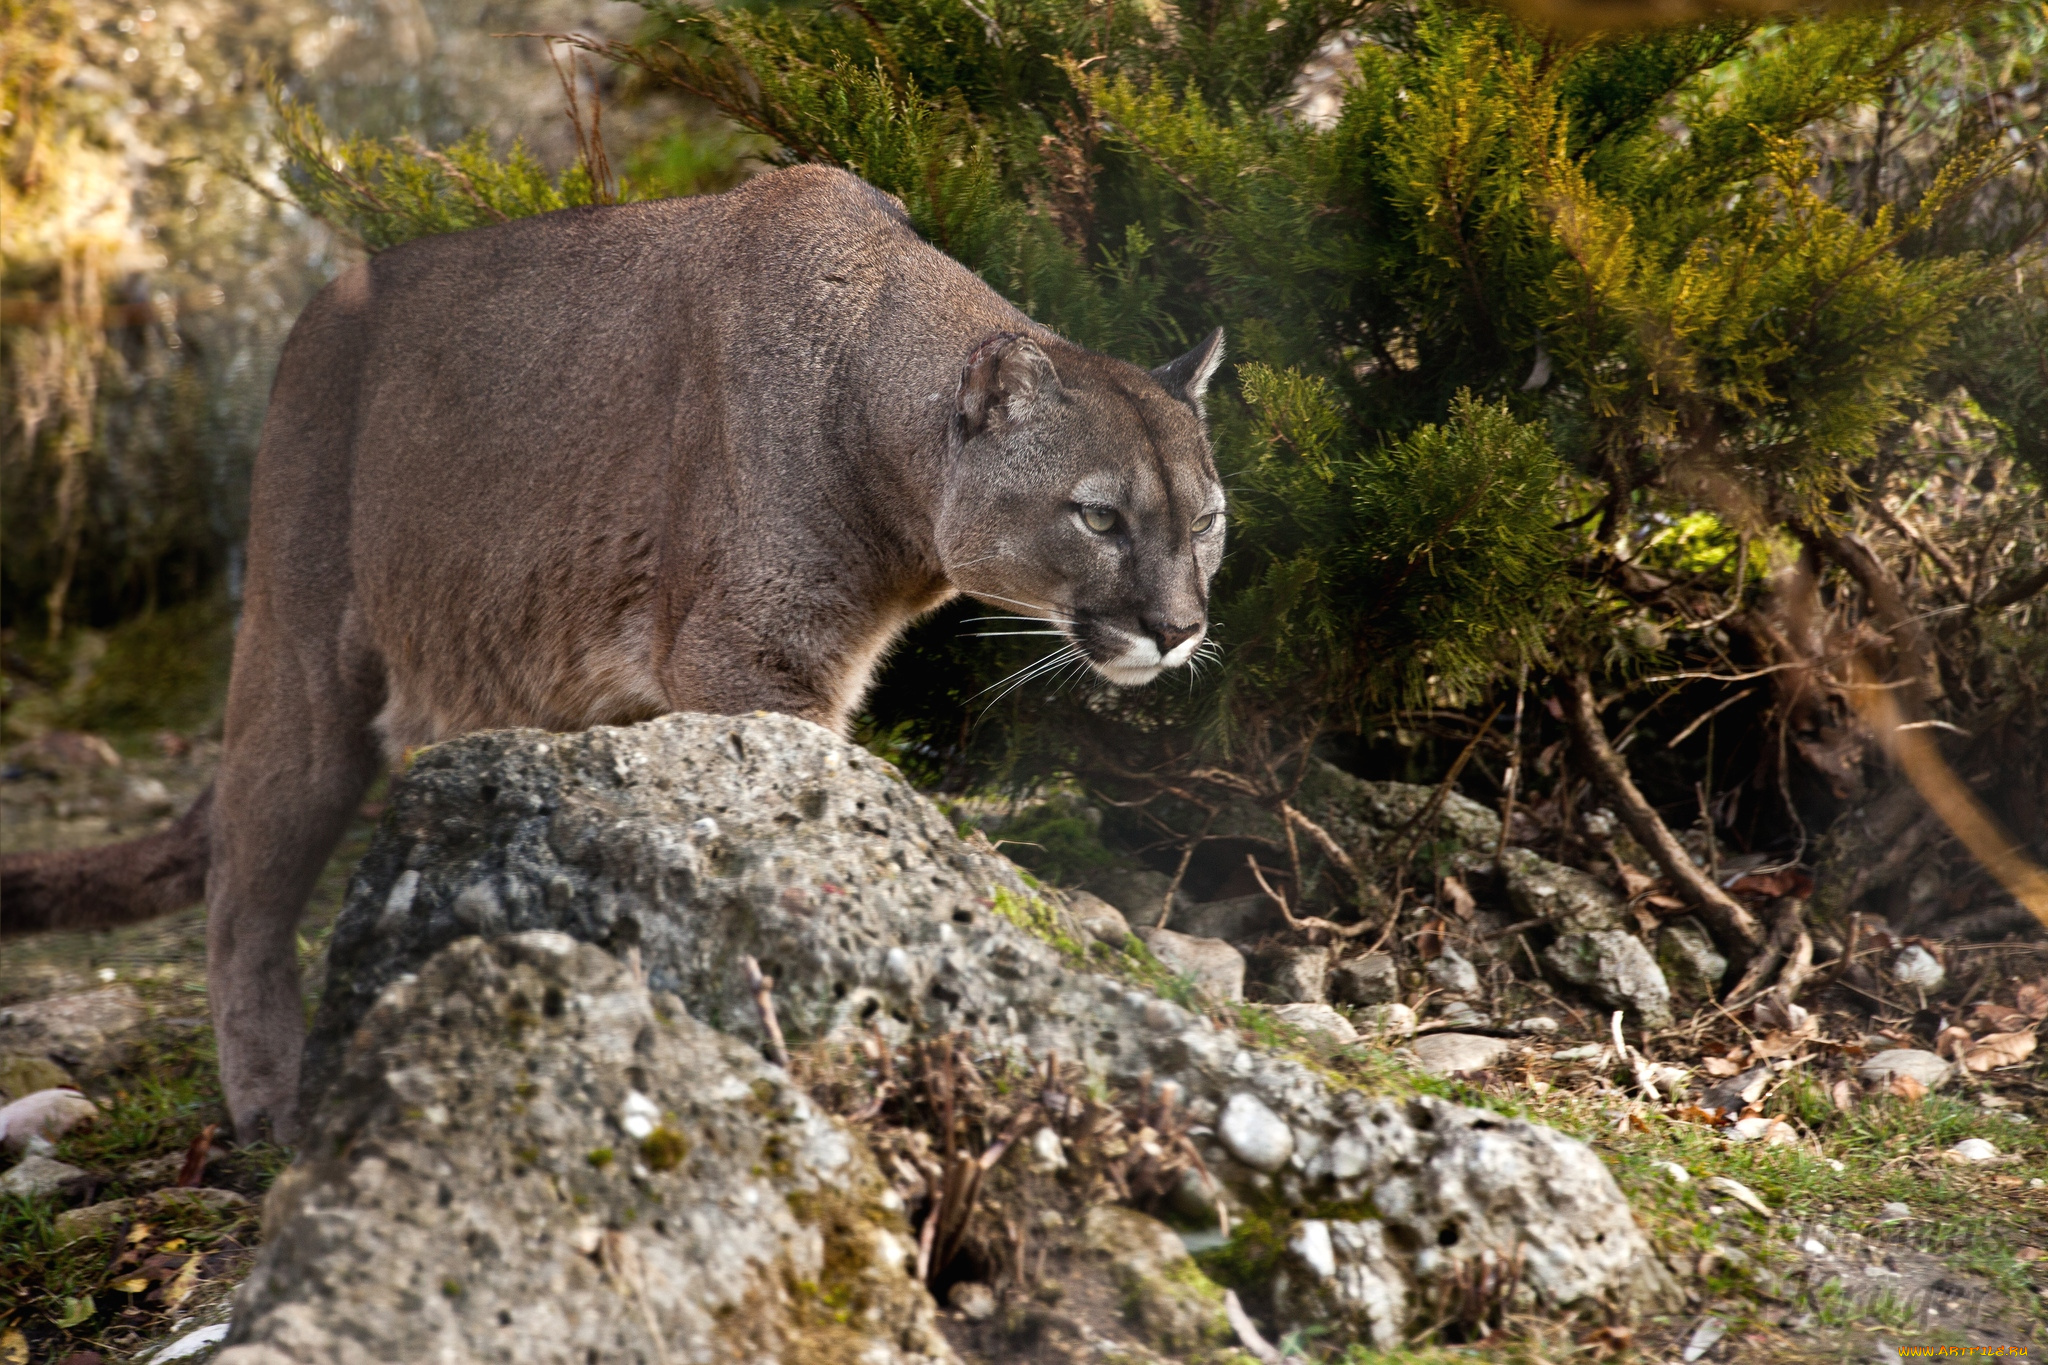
585 468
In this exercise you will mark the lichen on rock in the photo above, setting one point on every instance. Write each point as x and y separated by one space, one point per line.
692 841
446 1205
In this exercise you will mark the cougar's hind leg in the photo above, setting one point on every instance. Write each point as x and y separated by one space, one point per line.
299 754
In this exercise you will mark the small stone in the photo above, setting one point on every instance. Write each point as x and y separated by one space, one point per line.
1048 1153
24 1073
1098 919
87 1033
1241 919
38 1175
1394 1020
973 1300
93 1218
1291 974
1459 1054
1739 1192
638 1115
1925 1067
1217 968
1690 961
1369 979
1918 968
46 1114
1137 891
1453 974
1972 1149
1895 1212
1541 1024
1318 1019
190 1344
1573 901
148 793
1254 1134
1616 969
1464 1014
1585 1052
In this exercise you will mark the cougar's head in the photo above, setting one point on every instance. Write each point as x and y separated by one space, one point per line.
1080 491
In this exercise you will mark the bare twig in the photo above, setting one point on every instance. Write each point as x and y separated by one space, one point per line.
1307 922
1181 870
1248 1331
1732 925
763 988
1698 721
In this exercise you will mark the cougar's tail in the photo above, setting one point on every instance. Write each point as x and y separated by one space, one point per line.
97 888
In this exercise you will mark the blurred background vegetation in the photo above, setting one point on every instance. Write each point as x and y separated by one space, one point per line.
1706 363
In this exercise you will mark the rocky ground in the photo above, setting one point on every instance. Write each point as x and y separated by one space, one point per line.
1824 1183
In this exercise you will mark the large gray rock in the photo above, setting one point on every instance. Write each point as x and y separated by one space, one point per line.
1098 919
1290 973
529 1157
698 839
1368 979
1361 814
36 1175
1616 969
1241 919
1162 1293
1214 967
87 1033
1459 1054
1574 902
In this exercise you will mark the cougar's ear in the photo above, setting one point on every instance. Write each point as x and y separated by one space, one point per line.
1005 379
1188 377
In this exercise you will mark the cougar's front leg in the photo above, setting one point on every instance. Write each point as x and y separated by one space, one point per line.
299 753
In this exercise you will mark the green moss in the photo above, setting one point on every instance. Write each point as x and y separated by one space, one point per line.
451 1288
1038 919
664 1149
167 670
600 1158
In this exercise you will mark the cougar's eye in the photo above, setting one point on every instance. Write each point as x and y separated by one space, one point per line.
1099 519
1204 522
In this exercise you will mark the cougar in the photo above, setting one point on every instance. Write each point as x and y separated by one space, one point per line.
586 468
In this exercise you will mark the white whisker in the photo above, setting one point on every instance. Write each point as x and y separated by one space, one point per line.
997 634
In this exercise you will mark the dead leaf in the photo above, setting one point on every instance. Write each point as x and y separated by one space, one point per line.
1952 1042
1609 1341
2030 1254
196 1157
1842 1094
1722 1066
1790 881
1775 1011
1633 883
1459 899
134 1286
2033 998
1906 1088
1986 1017
13 1348
1664 902
188 1279
1999 1049
1692 1113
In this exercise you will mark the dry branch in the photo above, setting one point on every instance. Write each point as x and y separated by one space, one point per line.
1733 927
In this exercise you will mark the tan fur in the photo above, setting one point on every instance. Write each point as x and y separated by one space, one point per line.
590 467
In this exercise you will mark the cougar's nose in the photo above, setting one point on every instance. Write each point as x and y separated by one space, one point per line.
1169 636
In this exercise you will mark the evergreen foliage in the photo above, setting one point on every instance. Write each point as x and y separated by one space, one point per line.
1526 301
